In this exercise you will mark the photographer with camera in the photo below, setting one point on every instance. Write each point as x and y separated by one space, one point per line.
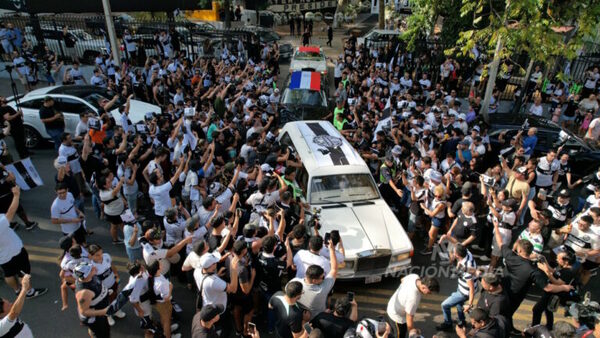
584 242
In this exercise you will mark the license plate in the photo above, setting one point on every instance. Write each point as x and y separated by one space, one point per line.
372 279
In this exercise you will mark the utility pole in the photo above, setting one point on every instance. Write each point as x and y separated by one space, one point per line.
381 4
112 34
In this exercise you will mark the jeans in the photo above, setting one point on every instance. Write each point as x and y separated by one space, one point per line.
455 299
55 135
79 203
134 254
132 202
96 202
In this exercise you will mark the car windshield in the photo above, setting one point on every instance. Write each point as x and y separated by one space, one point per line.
303 97
342 188
308 56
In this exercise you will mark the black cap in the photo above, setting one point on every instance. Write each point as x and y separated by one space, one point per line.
564 193
491 278
209 312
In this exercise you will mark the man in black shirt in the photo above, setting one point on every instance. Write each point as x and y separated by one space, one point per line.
521 272
288 314
203 324
15 118
53 120
494 298
336 324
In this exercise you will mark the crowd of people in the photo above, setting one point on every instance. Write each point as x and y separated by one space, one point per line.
201 193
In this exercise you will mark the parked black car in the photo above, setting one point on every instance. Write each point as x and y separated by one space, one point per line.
584 156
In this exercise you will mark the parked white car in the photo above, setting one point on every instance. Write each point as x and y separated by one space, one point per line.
335 178
86 46
71 101
309 58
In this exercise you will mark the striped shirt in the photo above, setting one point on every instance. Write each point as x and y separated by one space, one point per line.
465 264
536 240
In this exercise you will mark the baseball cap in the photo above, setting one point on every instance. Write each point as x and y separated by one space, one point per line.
65 242
266 168
397 150
522 170
83 270
427 127
465 142
476 128
462 116
209 312
209 259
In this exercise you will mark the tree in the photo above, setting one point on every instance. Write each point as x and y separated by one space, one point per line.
504 28
525 26
381 4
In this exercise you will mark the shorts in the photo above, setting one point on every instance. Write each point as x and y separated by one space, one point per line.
243 301
113 219
567 118
589 265
18 263
99 327
437 222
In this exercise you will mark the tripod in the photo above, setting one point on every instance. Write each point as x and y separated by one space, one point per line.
13 86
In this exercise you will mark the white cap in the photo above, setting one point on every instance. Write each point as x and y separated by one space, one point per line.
265 167
397 150
462 117
427 127
209 259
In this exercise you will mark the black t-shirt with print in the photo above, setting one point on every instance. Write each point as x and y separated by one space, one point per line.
288 317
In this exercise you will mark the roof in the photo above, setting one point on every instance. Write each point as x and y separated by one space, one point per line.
305 80
323 150
309 49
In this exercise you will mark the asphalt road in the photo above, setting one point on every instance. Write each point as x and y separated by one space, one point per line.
47 320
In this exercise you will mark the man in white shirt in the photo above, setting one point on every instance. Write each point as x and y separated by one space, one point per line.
211 287
404 302
68 151
536 108
64 212
14 259
159 189
305 258
316 285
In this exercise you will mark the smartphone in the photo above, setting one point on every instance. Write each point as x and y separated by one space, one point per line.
307 328
327 237
381 328
350 296
251 327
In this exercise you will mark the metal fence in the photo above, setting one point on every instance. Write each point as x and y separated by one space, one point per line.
89 35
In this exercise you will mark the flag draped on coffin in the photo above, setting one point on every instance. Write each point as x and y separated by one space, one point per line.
305 80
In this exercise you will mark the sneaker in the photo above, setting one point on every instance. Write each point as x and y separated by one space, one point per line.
36 292
118 241
174 327
111 320
445 326
15 225
30 225
120 314
426 251
485 258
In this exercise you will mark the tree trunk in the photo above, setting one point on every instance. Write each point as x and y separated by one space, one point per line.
492 73
341 4
381 4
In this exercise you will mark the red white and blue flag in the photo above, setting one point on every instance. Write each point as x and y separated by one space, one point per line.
305 80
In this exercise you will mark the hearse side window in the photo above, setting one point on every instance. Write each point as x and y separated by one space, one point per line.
302 179
285 139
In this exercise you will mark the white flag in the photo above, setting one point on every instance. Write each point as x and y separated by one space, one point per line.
26 176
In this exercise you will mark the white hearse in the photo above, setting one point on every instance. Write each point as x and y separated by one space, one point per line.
336 180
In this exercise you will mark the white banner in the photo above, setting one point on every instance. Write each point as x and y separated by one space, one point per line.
26 176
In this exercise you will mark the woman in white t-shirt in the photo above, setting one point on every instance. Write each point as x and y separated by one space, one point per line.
114 203
128 170
436 210
160 293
